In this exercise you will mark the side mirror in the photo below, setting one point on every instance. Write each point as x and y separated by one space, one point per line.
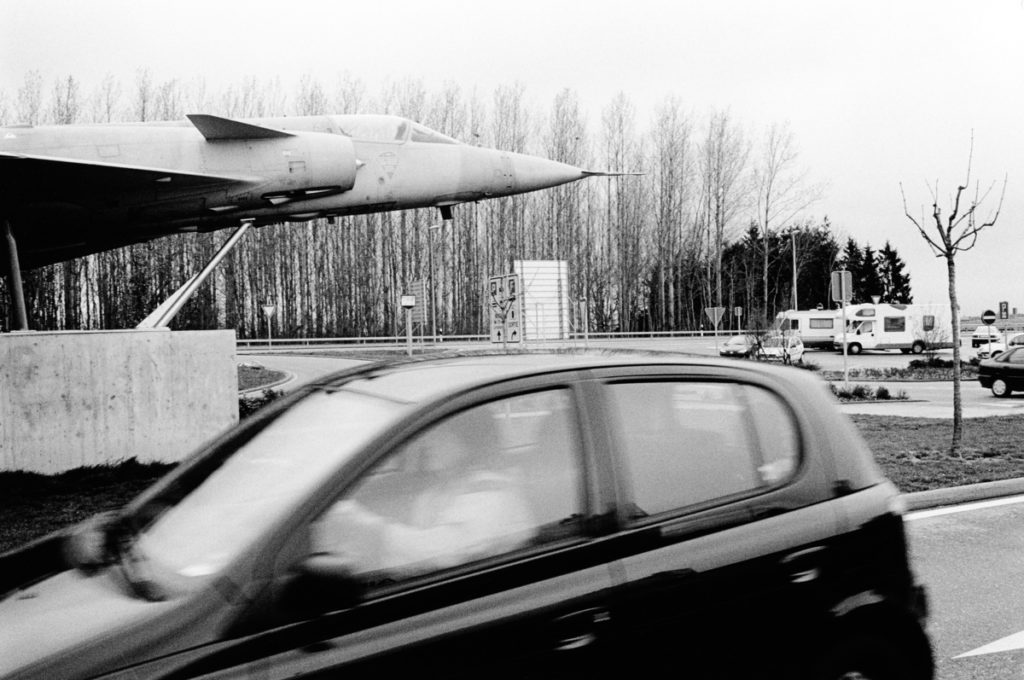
326 582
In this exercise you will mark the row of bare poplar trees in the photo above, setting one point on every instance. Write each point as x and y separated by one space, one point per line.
644 252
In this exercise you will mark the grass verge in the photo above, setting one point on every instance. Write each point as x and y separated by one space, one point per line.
914 452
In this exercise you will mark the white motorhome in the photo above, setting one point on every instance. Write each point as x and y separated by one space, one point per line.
815 326
908 328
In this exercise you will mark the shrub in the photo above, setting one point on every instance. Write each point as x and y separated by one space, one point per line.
882 393
249 405
861 392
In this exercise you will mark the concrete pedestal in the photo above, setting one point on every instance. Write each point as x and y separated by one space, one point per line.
73 399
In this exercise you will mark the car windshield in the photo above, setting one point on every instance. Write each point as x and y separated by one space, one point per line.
262 481
737 340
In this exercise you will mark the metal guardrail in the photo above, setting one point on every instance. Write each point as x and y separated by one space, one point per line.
421 341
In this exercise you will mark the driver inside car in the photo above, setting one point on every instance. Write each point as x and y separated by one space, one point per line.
466 506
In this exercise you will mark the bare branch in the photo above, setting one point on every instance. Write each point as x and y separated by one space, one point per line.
917 224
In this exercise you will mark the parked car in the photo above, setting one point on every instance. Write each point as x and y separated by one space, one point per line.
739 346
988 350
1004 373
788 349
515 515
984 334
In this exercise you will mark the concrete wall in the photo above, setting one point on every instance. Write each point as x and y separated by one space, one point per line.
73 399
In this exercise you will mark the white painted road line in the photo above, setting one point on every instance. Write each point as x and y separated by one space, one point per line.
965 507
1007 644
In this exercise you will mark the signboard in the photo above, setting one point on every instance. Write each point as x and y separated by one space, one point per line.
418 289
1004 310
988 318
737 312
408 301
506 308
842 286
544 299
715 314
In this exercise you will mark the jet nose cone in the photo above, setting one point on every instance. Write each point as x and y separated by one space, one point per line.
533 173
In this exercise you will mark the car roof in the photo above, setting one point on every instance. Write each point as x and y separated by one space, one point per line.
419 380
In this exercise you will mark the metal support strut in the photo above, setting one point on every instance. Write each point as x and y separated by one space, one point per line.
162 315
20 318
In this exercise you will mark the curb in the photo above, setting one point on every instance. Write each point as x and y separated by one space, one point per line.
954 495
288 377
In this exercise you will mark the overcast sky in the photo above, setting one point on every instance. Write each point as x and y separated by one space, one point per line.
875 92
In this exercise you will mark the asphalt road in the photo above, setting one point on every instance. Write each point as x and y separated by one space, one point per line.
969 557
925 400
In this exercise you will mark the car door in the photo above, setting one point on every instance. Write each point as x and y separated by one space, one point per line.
522 596
1014 368
721 529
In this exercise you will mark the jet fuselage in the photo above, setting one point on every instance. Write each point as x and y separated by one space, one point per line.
77 189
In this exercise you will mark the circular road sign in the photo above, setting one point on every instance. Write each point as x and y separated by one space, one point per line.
989 317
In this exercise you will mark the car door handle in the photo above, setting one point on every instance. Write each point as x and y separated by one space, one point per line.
582 628
803 564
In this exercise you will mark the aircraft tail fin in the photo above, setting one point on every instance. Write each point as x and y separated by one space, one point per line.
217 129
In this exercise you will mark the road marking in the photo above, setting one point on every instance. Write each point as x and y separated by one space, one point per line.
1007 644
965 507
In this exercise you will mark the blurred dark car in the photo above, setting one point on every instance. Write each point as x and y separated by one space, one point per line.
739 346
1003 373
495 516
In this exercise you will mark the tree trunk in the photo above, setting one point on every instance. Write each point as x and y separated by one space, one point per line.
954 307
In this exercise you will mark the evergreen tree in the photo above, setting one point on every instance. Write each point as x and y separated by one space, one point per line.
895 283
866 280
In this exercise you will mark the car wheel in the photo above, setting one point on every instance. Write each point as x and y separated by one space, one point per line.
854 348
864 658
917 347
1000 388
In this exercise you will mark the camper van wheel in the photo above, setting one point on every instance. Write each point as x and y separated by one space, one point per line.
918 347
854 348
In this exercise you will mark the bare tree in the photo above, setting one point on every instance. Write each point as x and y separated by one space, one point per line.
955 233
782 189
106 99
723 166
66 106
144 96
29 106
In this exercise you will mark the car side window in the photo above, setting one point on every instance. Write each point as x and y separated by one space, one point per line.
686 443
490 480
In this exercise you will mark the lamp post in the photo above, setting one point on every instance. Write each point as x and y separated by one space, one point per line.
268 310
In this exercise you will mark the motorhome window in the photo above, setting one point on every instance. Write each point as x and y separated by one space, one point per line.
424 134
895 324
822 323
794 324
928 322
865 312
866 327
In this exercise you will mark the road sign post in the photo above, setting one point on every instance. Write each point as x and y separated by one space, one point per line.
268 310
715 314
988 317
842 291
408 302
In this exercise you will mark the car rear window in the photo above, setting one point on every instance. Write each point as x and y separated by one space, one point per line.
689 443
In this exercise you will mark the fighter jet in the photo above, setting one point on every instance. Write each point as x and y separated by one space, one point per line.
67 191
